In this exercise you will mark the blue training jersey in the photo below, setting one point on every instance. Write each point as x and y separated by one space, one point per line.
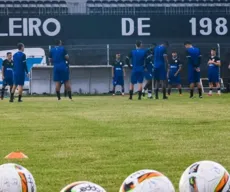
8 68
174 65
194 57
159 53
213 66
118 68
57 54
19 59
149 61
138 57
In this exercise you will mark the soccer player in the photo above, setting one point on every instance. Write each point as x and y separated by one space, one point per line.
118 73
194 61
59 56
160 63
137 57
173 74
214 64
19 70
7 73
149 72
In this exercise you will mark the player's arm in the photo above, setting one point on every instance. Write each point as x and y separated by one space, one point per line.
123 71
3 66
166 58
127 60
50 57
24 64
112 70
217 62
179 70
66 55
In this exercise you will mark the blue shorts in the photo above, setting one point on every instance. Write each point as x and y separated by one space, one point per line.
160 74
118 80
193 76
8 81
172 80
137 77
213 76
148 75
19 79
61 74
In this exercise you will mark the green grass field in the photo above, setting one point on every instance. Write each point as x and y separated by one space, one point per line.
104 139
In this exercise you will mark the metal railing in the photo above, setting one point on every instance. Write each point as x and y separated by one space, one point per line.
104 54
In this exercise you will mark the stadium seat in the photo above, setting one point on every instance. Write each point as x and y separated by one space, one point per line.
3 10
25 7
17 7
10 7
55 8
41 7
63 7
33 10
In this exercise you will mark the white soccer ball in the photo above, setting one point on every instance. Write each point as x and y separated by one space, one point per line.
15 178
83 186
205 176
147 181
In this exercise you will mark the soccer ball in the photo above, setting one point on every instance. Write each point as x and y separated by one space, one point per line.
83 186
15 178
205 176
147 181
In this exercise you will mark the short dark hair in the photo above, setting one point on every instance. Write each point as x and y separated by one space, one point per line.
57 42
213 49
138 43
20 45
166 43
174 51
187 43
8 53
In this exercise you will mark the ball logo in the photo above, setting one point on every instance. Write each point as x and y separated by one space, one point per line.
23 27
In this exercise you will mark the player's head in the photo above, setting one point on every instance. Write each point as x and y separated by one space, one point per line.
58 42
9 55
174 54
213 52
166 44
138 44
152 46
118 56
21 47
187 44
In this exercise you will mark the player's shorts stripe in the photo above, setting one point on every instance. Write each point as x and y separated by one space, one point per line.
148 176
222 182
24 182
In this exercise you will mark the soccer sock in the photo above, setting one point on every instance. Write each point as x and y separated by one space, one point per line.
180 91
19 97
169 91
200 92
58 95
139 95
11 96
156 93
218 90
191 92
122 89
149 93
210 91
70 94
2 93
131 94
164 92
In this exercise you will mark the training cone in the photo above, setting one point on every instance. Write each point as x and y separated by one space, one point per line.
16 155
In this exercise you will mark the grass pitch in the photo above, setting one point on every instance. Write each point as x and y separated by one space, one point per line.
104 139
